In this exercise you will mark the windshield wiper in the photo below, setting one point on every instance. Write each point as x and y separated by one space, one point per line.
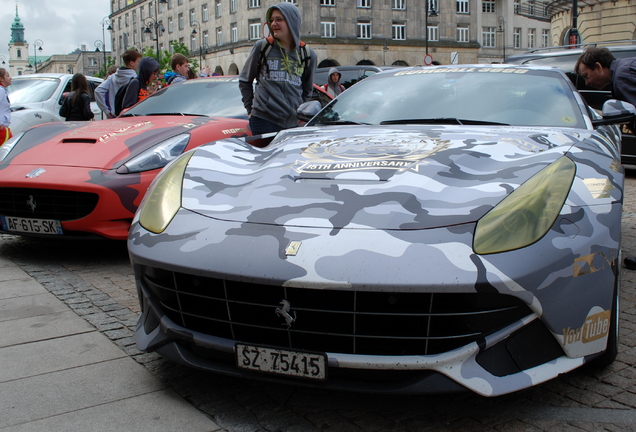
442 120
342 122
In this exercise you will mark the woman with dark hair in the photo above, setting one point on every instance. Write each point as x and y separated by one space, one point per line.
77 105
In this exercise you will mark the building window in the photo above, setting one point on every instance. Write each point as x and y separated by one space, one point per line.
531 38
180 2
232 6
169 4
399 4
433 33
170 25
134 17
488 37
545 38
193 16
205 14
206 39
531 7
126 20
92 61
516 38
433 5
180 21
219 36
328 29
364 30
488 6
462 7
327 2
294 2
234 33
364 3
254 4
255 31
218 11
398 31
517 7
193 43
462 34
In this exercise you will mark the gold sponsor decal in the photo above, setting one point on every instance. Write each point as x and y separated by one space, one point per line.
591 263
234 131
599 188
292 249
615 166
595 327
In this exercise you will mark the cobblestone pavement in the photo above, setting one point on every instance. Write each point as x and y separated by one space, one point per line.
95 280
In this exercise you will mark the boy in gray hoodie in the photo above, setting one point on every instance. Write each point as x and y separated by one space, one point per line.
284 81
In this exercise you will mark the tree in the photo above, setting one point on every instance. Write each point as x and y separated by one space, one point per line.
102 71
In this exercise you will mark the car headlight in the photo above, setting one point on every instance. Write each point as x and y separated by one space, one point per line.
163 199
156 157
527 214
8 146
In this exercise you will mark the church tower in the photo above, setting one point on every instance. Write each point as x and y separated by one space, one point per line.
18 48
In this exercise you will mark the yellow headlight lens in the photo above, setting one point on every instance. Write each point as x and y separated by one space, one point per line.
163 199
527 214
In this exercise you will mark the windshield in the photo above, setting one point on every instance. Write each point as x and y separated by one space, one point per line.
30 90
461 95
214 97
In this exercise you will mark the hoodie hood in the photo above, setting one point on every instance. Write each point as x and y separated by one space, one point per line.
332 71
292 16
147 66
122 76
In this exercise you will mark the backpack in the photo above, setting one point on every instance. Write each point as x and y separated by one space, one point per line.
326 87
119 96
305 58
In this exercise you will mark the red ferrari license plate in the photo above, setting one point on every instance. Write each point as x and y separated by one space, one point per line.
34 226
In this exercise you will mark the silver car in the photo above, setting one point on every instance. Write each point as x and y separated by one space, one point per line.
432 229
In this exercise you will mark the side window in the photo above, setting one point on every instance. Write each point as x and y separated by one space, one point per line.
92 85
67 90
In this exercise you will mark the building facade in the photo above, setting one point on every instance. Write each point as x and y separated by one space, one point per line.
18 48
221 33
596 21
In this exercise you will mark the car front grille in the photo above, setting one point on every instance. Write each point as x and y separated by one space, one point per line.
353 322
46 203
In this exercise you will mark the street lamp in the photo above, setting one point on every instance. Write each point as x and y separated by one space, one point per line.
150 22
99 44
502 29
106 22
37 46
195 24
429 12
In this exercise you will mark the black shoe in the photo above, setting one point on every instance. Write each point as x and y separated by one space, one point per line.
630 263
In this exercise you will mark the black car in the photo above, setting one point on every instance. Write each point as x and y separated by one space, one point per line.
349 75
565 57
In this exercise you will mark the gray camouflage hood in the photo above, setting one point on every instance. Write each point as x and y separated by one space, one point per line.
372 177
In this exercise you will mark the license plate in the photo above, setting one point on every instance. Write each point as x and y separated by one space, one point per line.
301 364
34 226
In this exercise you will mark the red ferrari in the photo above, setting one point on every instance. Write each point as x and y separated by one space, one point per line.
86 179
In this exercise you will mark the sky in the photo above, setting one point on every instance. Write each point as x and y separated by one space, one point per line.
62 25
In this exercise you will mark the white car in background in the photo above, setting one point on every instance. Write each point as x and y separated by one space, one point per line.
36 99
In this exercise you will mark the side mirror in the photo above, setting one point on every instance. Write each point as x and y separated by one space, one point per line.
308 110
616 112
